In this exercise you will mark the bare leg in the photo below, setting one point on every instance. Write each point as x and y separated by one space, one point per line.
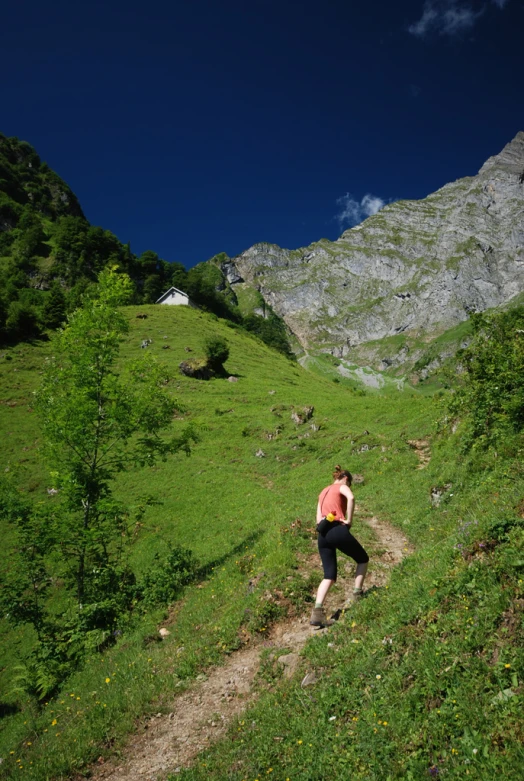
323 589
360 575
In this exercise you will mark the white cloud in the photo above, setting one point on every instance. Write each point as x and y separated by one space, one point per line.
428 19
371 204
446 17
352 211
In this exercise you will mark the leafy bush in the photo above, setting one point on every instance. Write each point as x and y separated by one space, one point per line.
501 526
490 398
42 673
163 583
217 353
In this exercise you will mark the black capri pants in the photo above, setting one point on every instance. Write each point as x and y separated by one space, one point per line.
339 538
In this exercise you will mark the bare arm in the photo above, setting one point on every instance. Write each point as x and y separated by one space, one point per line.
319 513
348 493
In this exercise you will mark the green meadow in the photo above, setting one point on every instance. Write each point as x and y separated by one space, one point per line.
424 679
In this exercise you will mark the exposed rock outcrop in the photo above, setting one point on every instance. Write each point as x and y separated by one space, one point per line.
416 266
198 369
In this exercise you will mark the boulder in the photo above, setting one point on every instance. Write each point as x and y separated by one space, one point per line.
290 663
199 370
302 416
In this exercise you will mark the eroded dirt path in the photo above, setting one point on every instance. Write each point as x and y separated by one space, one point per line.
202 714
423 450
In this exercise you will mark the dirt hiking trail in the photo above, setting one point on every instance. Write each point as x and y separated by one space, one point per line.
201 715
423 450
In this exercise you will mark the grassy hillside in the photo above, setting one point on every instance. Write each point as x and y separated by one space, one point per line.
50 255
429 701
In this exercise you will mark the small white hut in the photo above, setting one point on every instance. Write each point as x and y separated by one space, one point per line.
176 297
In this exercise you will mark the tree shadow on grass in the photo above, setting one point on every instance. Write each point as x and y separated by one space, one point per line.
8 709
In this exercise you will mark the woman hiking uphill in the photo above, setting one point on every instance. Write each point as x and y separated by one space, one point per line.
337 500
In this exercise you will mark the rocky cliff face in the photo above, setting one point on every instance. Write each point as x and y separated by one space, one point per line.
415 267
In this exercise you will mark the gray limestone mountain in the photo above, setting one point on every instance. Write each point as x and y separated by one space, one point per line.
415 268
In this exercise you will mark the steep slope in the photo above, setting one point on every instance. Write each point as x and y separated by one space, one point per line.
242 502
436 658
27 182
415 267
50 254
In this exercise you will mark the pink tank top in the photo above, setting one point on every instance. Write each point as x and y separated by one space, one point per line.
332 501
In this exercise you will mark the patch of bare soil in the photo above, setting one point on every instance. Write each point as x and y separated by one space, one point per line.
423 451
202 714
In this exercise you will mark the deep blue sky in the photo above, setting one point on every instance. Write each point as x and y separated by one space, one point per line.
197 127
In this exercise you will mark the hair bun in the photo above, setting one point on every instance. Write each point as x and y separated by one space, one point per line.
340 473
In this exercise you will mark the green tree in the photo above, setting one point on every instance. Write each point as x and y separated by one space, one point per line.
271 330
22 320
70 239
177 276
148 262
29 240
154 276
82 250
153 288
54 309
97 422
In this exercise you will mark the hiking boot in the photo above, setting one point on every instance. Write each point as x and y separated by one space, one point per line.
356 596
319 618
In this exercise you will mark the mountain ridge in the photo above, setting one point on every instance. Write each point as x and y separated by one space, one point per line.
416 266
